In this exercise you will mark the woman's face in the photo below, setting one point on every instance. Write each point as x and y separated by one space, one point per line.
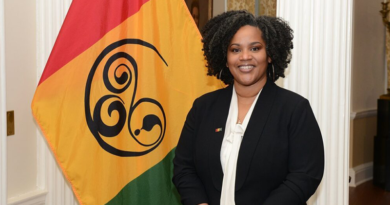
247 58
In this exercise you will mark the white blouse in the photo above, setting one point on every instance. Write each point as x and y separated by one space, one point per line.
230 148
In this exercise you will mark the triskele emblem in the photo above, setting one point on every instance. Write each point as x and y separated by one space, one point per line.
110 104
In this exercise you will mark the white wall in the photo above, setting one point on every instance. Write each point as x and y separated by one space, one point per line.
368 82
20 70
3 133
368 57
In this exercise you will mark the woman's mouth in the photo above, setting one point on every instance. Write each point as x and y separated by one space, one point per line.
246 68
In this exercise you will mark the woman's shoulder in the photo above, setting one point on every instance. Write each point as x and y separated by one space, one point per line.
211 97
208 101
288 98
289 95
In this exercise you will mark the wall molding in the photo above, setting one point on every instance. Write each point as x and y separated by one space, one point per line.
364 114
320 71
50 15
3 126
37 197
361 174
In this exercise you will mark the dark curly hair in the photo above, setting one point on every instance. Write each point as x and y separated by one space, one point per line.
219 31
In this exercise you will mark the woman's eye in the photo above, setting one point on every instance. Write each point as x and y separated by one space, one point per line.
255 49
235 50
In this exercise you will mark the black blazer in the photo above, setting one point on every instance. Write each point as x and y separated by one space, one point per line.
281 158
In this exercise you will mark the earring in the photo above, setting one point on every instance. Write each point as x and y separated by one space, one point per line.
220 73
273 72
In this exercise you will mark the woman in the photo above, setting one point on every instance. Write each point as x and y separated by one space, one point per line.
251 142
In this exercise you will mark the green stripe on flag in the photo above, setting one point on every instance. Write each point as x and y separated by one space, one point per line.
152 187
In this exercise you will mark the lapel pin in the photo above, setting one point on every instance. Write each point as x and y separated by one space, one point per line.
218 130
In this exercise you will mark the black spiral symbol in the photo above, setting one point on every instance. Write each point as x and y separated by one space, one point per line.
96 125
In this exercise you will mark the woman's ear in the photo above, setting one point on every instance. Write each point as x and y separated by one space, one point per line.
269 60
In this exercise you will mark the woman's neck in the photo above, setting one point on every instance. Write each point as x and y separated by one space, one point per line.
245 98
248 92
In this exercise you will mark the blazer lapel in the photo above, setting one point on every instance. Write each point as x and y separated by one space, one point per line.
220 113
253 131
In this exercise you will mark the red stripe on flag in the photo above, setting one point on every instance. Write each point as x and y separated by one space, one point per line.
87 21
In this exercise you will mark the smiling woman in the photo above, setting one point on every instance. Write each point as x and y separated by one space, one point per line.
247 58
270 151
219 34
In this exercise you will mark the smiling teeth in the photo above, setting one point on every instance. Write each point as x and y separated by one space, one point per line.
246 67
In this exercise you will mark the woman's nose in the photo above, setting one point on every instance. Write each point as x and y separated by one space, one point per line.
245 55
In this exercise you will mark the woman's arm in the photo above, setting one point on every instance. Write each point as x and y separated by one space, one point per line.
306 159
185 176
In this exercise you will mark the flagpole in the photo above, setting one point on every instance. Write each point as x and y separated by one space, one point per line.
3 133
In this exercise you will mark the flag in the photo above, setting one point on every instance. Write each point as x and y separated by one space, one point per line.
114 95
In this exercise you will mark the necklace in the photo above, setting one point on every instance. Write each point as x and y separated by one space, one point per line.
239 122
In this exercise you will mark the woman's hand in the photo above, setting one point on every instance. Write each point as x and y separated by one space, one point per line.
204 204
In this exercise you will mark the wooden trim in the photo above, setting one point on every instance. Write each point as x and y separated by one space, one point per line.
360 174
363 114
37 197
